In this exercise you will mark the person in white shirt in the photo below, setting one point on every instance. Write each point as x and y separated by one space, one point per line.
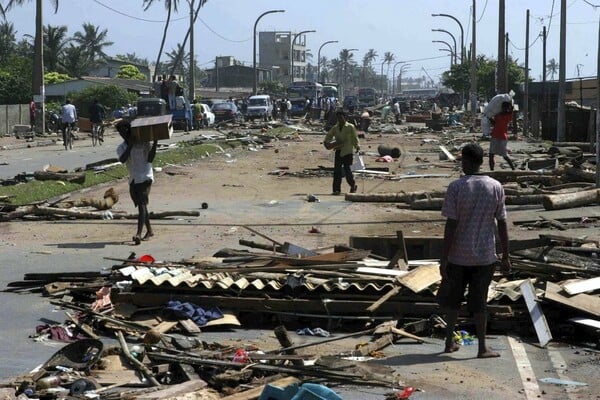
68 113
138 157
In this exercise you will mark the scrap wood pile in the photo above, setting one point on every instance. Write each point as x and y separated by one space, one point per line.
83 208
163 308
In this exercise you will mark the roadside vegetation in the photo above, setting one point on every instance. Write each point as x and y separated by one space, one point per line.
37 191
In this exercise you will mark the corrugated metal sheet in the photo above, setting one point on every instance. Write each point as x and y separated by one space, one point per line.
170 277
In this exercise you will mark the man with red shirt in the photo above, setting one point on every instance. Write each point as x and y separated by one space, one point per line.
499 140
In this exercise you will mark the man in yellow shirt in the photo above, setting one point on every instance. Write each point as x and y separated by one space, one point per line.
342 138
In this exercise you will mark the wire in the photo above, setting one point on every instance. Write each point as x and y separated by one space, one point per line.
175 19
483 12
131 16
591 4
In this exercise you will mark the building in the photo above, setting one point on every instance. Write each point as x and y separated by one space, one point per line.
231 73
110 67
275 52
60 91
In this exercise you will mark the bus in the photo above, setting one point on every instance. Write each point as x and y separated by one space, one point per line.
304 90
367 97
298 92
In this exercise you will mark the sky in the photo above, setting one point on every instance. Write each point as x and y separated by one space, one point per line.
402 27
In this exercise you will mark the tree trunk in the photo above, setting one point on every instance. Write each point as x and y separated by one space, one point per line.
578 175
571 200
401 197
511 176
78 177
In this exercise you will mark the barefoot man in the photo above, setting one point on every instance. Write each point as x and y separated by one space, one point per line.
472 206
138 156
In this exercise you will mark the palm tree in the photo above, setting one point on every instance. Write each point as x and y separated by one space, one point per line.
367 63
76 61
8 39
552 68
170 6
55 40
93 40
178 60
38 62
388 57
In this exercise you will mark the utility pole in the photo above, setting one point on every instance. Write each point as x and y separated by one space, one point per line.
192 83
501 86
560 119
544 86
598 113
526 94
473 88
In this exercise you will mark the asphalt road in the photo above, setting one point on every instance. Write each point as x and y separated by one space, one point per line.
520 373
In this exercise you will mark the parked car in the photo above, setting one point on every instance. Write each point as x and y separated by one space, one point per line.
260 106
208 117
227 112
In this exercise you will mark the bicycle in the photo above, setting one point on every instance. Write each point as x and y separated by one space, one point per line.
68 135
97 133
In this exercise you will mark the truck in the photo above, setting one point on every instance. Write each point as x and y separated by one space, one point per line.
367 97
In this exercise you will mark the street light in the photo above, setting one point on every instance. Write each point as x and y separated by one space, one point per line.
452 53
453 38
254 45
394 75
292 56
402 69
462 34
319 57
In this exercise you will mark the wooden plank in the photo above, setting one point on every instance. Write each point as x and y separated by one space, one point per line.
255 393
582 286
165 326
189 326
421 277
535 312
583 302
591 323
172 391
447 153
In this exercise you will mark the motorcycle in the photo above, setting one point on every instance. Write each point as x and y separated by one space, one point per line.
53 122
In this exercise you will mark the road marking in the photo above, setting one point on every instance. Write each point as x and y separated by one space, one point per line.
560 366
530 386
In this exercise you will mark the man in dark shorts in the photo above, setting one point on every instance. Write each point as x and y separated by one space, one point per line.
499 140
138 157
473 205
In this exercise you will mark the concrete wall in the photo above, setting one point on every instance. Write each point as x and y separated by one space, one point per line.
13 114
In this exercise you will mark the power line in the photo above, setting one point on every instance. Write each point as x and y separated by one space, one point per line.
175 19
483 12
133 17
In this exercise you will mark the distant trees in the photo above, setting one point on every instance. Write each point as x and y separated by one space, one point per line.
129 71
458 78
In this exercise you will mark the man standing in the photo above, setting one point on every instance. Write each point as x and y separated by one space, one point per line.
342 138
32 115
138 156
472 206
499 140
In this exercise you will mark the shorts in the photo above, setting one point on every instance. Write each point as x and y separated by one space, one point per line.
498 146
140 192
452 290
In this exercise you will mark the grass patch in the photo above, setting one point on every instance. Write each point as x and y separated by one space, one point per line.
35 191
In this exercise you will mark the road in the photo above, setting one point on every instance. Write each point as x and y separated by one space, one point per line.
57 246
47 151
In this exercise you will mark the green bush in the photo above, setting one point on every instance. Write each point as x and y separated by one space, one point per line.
110 96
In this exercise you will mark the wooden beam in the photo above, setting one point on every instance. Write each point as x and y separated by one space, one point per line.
582 302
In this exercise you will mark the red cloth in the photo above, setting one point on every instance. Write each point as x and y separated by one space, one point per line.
501 122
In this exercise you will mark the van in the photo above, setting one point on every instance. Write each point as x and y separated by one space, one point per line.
259 106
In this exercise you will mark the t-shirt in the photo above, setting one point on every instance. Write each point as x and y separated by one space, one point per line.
140 170
475 202
346 137
500 130
69 114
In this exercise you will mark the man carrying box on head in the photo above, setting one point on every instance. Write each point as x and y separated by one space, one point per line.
138 157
